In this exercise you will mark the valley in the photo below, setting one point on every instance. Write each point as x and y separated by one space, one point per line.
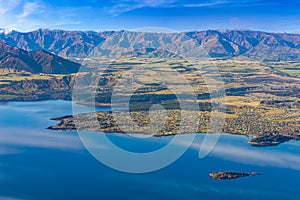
249 79
257 101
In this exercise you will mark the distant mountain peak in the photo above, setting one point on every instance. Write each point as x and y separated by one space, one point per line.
222 43
5 31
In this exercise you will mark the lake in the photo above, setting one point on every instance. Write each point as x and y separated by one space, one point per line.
36 163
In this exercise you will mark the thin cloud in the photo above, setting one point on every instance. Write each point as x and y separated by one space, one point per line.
240 153
14 139
125 5
29 8
28 15
206 4
224 3
8 198
8 5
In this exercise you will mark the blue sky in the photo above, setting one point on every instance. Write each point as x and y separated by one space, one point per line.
180 15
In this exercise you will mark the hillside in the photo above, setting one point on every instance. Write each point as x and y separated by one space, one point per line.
38 61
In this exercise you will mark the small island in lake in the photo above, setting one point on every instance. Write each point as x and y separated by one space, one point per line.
230 175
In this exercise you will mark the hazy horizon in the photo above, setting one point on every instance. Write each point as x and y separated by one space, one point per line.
179 15
6 31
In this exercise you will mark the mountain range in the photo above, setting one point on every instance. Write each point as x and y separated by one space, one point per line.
38 61
256 45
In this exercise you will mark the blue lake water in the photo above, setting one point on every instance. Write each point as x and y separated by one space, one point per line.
36 163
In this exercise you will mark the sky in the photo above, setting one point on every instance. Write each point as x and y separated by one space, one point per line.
178 15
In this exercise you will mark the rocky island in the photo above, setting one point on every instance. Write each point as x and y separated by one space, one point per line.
230 175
